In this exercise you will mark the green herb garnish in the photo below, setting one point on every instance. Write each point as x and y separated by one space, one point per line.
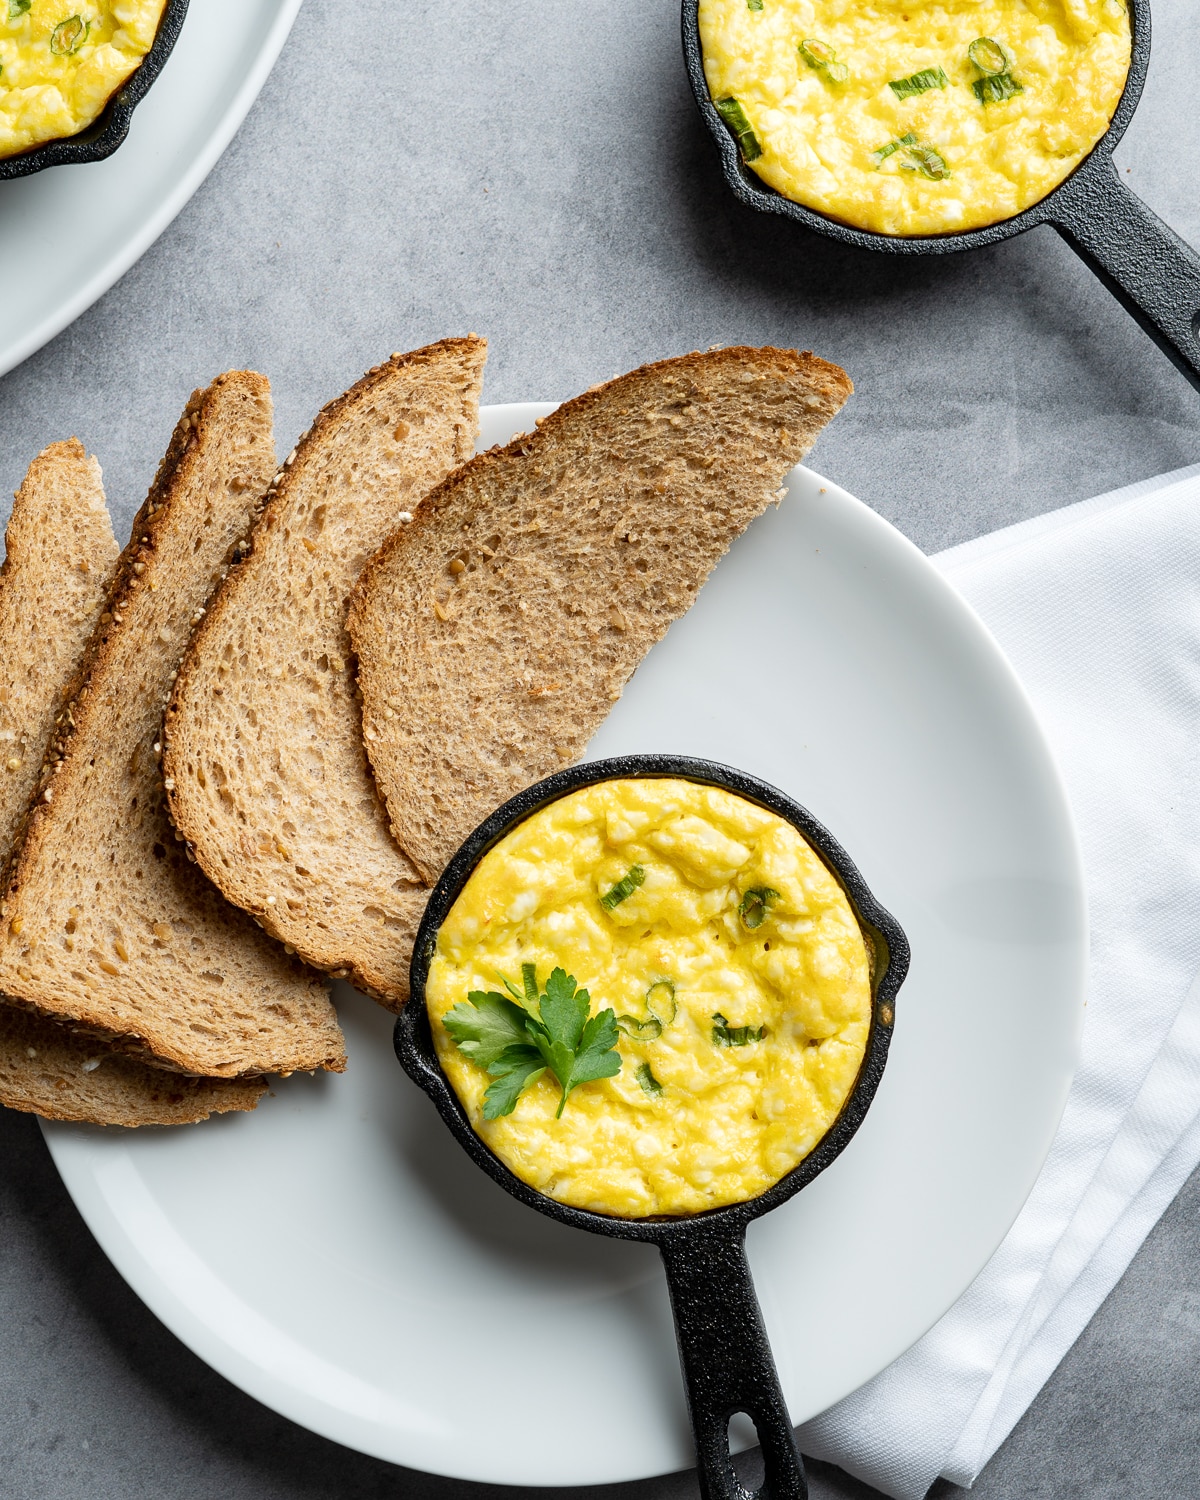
928 162
821 56
738 125
882 153
918 83
995 62
18 8
517 1045
923 159
725 1035
624 887
660 1003
650 1084
660 1000
996 88
755 905
69 35
640 1031
816 54
754 4
990 56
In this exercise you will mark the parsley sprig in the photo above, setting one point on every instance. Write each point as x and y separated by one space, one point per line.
517 1043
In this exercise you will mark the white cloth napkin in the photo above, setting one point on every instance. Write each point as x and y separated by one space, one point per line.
1098 608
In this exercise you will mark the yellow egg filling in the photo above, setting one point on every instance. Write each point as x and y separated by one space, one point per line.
62 60
735 970
890 115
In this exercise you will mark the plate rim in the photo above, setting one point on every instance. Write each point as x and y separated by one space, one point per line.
299 1406
139 240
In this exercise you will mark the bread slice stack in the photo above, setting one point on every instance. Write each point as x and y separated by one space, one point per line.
60 556
488 610
108 926
495 632
264 756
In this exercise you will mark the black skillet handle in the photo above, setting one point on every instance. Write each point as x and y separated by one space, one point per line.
1152 272
728 1366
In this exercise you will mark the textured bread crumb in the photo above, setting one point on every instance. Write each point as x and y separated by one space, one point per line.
100 869
51 1071
264 758
59 560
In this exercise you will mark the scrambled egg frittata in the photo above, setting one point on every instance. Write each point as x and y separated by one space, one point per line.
731 935
62 60
909 117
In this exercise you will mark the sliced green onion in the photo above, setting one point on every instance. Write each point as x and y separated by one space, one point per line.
918 83
996 88
754 4
650 1084
734 116
509 986
69 35
990 56
881 153
660 1001
624 887
815 53
725 1035
529 980
661 1011
755 905
639 1030
821 56
928 162
17 8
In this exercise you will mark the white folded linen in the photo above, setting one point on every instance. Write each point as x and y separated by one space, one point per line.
1098 608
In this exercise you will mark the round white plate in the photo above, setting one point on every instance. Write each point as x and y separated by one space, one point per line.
68 233
339 1257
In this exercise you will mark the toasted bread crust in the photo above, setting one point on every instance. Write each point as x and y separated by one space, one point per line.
315 863
580 543
146 964
60 556
49 1070
59 560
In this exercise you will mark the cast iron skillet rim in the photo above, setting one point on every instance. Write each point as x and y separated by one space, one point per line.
414 1043
102 137
756 194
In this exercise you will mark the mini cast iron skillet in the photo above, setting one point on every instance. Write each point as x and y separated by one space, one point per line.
104 135
723 1348
1147 267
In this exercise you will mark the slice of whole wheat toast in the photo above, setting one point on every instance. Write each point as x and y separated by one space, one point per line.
263 738
49 1070
494 633
59 561
107 923
59 558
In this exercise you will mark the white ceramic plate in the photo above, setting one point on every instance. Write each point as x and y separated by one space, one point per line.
339 1257
68 233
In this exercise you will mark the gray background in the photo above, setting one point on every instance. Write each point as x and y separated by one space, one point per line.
534 170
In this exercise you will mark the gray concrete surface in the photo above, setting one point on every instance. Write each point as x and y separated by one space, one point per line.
535 171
